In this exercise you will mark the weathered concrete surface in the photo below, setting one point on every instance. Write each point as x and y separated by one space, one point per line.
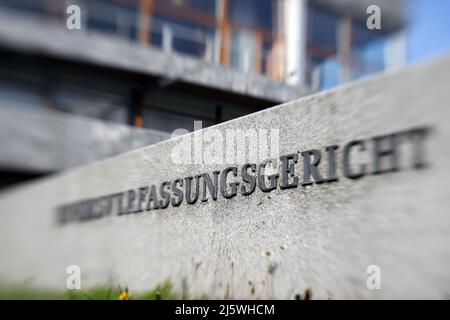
47 141
321 237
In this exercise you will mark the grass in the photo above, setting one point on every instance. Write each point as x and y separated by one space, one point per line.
163 291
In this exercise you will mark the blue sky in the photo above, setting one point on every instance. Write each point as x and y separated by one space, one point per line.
428 33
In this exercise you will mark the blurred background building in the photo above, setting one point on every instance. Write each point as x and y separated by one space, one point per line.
139 69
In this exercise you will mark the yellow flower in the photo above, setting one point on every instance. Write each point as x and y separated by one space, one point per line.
124 295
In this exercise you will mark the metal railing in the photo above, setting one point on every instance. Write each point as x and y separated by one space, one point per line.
125 23
201 42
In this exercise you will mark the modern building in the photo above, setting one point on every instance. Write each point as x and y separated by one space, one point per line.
162 64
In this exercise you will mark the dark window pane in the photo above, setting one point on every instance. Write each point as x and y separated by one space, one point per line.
322 27
253 13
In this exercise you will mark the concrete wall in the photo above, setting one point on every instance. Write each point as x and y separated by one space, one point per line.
47 141
320 236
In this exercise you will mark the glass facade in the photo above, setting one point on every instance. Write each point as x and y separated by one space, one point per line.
244 35
247 36
328 58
